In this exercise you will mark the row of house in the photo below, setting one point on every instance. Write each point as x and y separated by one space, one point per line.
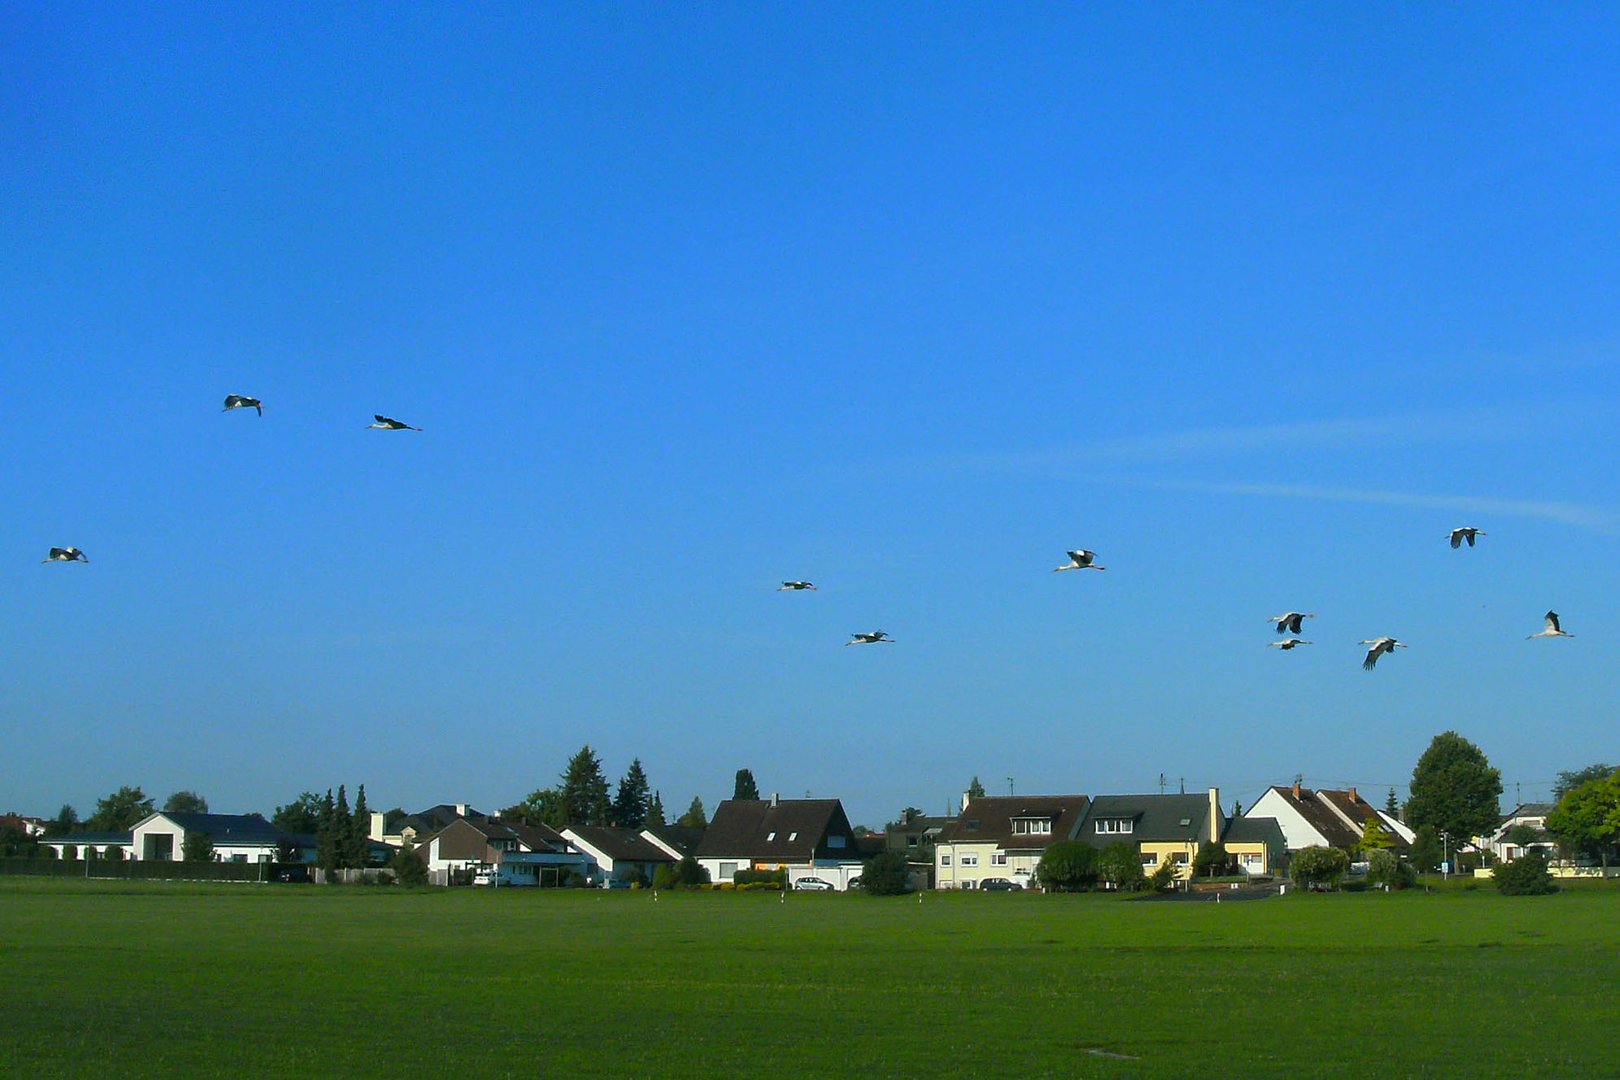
992 837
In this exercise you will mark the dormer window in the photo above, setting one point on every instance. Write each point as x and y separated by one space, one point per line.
1115 826
770 836
1032 826
792 836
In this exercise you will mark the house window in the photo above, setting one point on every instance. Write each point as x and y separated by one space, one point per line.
770 836
239 858
728 870
944 860
1150 858
911 841
998 858
1032 826
970 860
1179 858
1113 826
792 836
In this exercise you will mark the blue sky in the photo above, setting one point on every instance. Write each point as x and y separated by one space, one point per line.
1256 303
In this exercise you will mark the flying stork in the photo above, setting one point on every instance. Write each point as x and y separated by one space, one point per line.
1553 628
237 401
384 423
1380 646
870 639
1080 560
67 554
796 586
1465 532
1287 643
1288 622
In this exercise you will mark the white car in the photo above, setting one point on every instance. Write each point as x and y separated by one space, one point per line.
814 884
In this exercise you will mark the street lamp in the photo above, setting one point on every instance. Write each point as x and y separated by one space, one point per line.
1445 855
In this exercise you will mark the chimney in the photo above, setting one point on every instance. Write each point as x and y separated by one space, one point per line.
375 832
966 798
1296 789
776 798
1353 796
461 809
1215 818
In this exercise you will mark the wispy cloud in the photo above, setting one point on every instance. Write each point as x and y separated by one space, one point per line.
1564 513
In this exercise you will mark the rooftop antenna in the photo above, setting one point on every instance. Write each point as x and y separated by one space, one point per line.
1010 785
1184 785
1518 796
1161 783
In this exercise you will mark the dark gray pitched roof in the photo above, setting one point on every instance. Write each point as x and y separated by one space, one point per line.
1246 830
433 818
1155 818
989 820
93 838
786 830
1529 809
227 828
618 844
683 838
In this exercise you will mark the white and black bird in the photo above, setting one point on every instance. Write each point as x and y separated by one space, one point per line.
1287 643
1465 532
1288 622
385 423
796 586
67 554
1080 560
873 638
237 401
1380 646
1553 628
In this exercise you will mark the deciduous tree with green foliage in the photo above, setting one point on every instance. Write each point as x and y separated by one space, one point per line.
65 823
409 869
695 816
1067 866
1587 819
630 804
1120 866
119 811
185 802
1374 837
1454 789
686 874
197 847
745 788
1571 779
1427 850
1387 870
302 815
543 807
1319 867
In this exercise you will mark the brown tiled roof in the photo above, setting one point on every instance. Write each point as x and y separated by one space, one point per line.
1316 807
989 820
790 829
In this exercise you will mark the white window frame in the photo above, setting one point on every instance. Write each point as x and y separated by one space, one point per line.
1115 826
971 859
998 858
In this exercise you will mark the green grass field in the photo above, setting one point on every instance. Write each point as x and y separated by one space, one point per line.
135 979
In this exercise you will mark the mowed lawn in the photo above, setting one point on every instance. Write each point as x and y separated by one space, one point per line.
136 979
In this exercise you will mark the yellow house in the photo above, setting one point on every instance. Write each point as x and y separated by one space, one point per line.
1003 837
1162 828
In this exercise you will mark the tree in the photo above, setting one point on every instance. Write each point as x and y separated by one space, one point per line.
14 838
119 811
686 874
360 830
1587 819
197 847
1454 789
1373 837
1569 781
975 790
1213 860
1120 866
745 788
907 816
1525 876
630 805
341 832
542 807
585 791
1387 869
185 802
328 852
655 812
1391 806
1319 867
65 823
1427 851
1068 866
886 874
409 870
695 817
301 816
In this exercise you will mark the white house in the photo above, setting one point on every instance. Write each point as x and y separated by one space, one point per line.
1326 818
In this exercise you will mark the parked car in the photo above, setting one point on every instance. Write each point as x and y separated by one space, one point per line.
616 883
484 876
813 884
293 874
999 884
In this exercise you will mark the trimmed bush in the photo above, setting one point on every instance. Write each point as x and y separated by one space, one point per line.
1386 869
886 874
1119 866
1525 876
1068 866
771 879
686 874
1318 867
